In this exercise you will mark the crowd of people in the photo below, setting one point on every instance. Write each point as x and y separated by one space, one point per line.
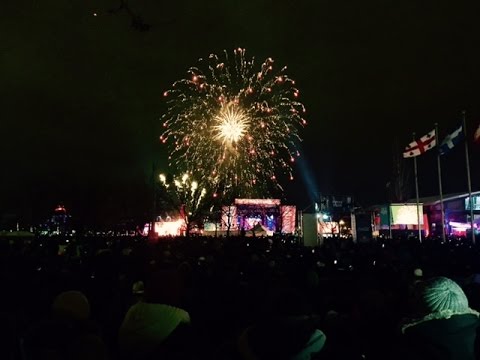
239 298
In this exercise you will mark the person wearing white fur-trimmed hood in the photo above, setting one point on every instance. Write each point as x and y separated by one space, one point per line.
443 326
288 330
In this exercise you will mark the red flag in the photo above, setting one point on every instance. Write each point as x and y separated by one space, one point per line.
476 136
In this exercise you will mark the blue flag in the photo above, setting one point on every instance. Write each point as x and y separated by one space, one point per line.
451 140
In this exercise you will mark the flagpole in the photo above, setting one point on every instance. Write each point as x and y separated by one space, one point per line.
469 182
416 193
440 183
390 220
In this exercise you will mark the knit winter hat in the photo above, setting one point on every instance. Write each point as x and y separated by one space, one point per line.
441 294
418 273
138 288
439 298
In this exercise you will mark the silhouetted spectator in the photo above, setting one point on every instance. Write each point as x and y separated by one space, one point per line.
68 334
444 327
156 327
288 331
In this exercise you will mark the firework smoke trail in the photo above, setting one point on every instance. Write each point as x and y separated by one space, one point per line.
232 126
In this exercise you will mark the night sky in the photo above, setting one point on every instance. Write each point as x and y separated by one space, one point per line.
81 95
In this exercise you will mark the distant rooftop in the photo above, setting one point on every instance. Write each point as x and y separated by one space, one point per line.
432 200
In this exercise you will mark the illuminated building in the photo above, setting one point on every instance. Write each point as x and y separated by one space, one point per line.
402 218
60 223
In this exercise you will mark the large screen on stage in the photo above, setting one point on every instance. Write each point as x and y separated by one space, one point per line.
406 214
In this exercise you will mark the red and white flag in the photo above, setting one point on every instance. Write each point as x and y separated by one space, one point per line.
418 147
476 136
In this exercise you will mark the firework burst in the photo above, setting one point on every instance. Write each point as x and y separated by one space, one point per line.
234 126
